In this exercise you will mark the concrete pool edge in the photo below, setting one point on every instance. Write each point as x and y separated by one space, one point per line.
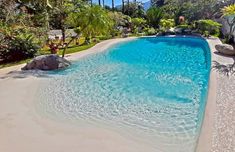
206 134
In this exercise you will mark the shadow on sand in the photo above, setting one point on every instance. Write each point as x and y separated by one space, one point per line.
226 69
25 74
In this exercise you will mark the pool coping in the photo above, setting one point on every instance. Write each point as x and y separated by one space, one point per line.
206 134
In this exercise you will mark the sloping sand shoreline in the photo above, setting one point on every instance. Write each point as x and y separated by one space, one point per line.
22 129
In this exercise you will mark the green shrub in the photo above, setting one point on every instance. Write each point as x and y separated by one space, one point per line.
166 24
210 26
184 26
19 48
154 16
150 31
16 44
138 24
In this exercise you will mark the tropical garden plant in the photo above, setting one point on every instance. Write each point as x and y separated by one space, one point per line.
120 21
229 15
138 24
29 21
17 43
89 22
154 16
208 27
166 24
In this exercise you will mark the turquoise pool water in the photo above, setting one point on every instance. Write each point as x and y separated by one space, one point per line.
157 86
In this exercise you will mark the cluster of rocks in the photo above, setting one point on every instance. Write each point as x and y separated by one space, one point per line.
225 49
47 62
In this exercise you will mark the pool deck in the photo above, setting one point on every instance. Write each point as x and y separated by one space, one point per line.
218 129
22 129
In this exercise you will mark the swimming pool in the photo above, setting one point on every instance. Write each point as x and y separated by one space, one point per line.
155 85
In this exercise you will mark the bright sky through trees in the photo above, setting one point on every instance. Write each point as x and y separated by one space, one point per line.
117 2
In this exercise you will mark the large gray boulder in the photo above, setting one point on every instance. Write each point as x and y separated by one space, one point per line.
47 62
225 49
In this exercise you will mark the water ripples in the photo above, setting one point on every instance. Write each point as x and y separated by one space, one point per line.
147 84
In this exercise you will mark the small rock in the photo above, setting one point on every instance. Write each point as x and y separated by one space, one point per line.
225 49
47 62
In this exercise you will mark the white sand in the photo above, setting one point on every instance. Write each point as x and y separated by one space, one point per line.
22 129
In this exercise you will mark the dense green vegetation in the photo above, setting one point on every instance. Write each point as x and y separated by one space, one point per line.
24 24
208 27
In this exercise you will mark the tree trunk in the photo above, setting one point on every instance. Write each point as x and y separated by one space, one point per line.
66 46
63 35
123 3
128 6
73 38
230 32
113 5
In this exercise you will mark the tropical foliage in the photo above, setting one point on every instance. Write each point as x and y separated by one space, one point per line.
92 21
229 15
134 9
17 43
229 10
154 16
166 24
208 26
138 24
25 23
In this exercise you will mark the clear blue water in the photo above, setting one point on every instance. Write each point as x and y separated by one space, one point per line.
157 86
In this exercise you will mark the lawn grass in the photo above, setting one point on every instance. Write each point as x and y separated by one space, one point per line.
45 50
75 49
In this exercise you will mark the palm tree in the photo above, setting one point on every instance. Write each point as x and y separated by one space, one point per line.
123 3
128 6
154 16
89 22
113 5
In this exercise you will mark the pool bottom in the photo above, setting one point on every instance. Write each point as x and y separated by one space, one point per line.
129 122
157 92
